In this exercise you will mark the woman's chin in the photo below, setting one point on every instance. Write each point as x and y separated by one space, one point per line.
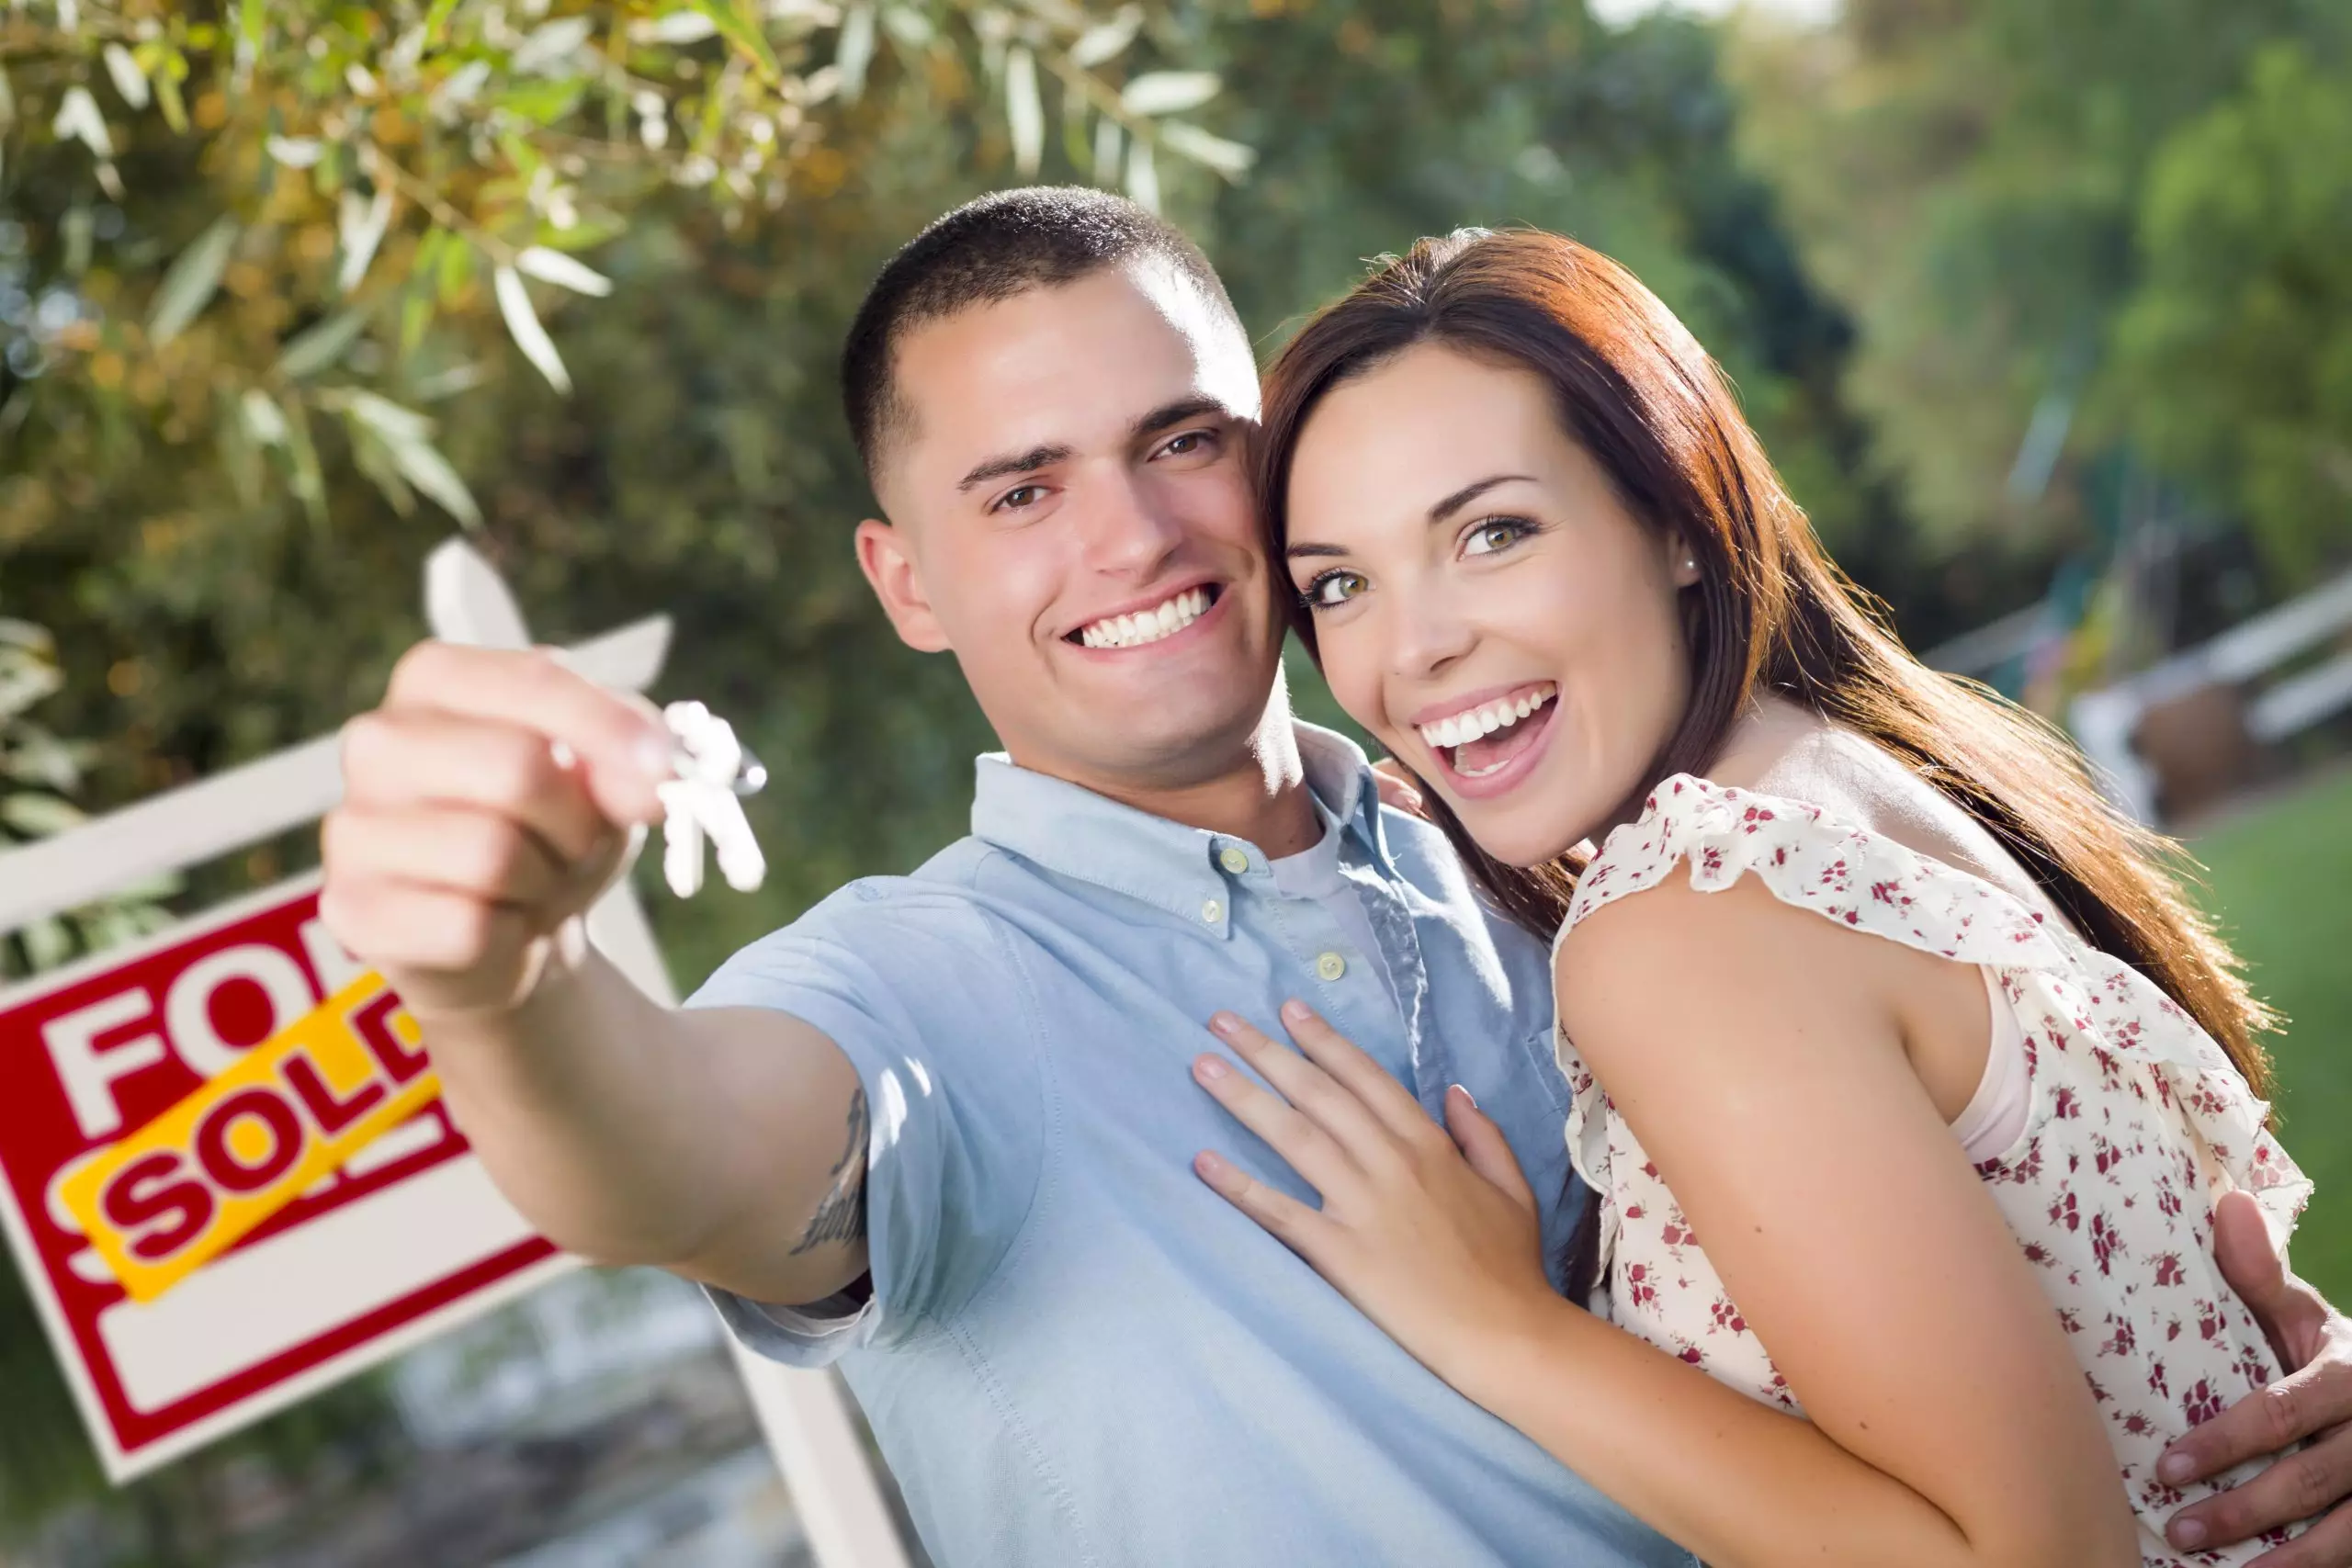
1520 845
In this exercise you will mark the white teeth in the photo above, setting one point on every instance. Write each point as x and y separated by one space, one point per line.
1146 626
1461 728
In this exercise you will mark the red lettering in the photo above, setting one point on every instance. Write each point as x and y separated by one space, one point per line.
132 1199
212 1140
332 1116
373 1024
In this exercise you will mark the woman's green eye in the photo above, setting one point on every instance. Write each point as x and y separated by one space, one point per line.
1500 534
1332 588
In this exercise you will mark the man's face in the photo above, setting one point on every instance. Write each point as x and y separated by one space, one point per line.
1071 515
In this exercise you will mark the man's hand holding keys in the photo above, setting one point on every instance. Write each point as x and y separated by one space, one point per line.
487 803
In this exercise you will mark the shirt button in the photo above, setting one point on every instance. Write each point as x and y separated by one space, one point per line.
1212 911
1330 965
1233 860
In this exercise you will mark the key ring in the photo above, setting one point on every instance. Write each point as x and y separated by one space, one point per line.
716 774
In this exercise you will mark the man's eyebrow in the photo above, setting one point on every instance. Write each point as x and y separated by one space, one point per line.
1470 493
1177 412
1015 463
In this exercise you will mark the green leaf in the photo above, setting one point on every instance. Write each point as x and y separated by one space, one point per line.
744 34
1169 91
430 472
23 682
1143 176
550 45
1230 159
253 22
78 119
523 325
1024 115
47 942
188 286
310 484
264 419
436 20
855 53
374 460
1108 136
129 80
396 424
1106 40
167 95
38 816
554 267
456 270
360 226
322 345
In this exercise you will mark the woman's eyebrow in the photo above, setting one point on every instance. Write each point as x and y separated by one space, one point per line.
1308 547
1470 493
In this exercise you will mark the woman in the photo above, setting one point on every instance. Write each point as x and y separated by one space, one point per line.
1865 990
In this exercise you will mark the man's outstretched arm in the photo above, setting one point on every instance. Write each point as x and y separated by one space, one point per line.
488 802
2311 1404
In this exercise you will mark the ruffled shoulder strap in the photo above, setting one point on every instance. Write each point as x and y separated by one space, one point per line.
2067 992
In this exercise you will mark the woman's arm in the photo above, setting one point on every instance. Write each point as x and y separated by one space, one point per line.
1757 1052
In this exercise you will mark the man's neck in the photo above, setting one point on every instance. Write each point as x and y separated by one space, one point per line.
1262 798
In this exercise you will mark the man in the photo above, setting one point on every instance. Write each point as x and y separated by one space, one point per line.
940 1128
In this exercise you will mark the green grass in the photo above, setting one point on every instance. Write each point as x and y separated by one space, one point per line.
2280 878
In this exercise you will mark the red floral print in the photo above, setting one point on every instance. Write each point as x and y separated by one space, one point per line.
2133 1106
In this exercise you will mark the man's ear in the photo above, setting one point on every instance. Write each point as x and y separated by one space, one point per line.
882 555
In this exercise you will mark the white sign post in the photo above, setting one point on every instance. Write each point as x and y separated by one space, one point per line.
804 1415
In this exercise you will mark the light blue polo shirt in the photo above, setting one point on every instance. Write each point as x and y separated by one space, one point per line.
1075 1353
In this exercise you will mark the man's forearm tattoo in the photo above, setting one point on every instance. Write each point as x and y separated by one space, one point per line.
841 1215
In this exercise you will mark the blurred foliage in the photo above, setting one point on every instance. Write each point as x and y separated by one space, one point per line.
2237 343
1981 183
1386 119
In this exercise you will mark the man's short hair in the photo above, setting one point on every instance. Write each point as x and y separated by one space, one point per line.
991 249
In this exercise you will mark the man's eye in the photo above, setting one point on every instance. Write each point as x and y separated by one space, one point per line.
1495 534
1188 444
1333 589
1020 496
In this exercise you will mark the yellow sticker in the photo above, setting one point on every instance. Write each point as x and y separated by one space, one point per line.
185 1187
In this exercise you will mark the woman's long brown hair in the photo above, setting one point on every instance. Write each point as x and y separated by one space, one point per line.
1772 612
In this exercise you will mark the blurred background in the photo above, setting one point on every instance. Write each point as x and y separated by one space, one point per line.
2045 311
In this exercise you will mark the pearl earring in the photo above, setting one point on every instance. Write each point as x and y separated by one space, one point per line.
1690 563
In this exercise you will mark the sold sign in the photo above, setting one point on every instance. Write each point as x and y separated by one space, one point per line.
188 1185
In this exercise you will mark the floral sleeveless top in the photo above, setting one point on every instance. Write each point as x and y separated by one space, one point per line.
2137 1122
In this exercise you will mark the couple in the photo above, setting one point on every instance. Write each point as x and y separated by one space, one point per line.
1862 984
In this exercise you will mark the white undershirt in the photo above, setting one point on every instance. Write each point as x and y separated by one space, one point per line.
1996 1112
1314 873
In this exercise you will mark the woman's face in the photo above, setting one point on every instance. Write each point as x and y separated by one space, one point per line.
1484 603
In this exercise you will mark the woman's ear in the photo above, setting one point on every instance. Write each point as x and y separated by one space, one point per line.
1681 561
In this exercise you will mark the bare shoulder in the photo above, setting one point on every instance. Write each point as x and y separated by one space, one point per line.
1674 959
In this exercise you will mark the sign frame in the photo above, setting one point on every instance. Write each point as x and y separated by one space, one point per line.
804 1415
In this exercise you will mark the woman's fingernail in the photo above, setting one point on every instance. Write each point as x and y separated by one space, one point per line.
2186 1534
1468 1097
1224 1024
1297 1012
1209 1165
1211 1068
2177 1468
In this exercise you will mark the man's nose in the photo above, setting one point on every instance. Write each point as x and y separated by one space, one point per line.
1126 530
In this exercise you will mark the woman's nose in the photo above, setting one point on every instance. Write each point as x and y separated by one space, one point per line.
1428 634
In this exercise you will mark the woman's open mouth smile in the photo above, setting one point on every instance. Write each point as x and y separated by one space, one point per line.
1486 748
